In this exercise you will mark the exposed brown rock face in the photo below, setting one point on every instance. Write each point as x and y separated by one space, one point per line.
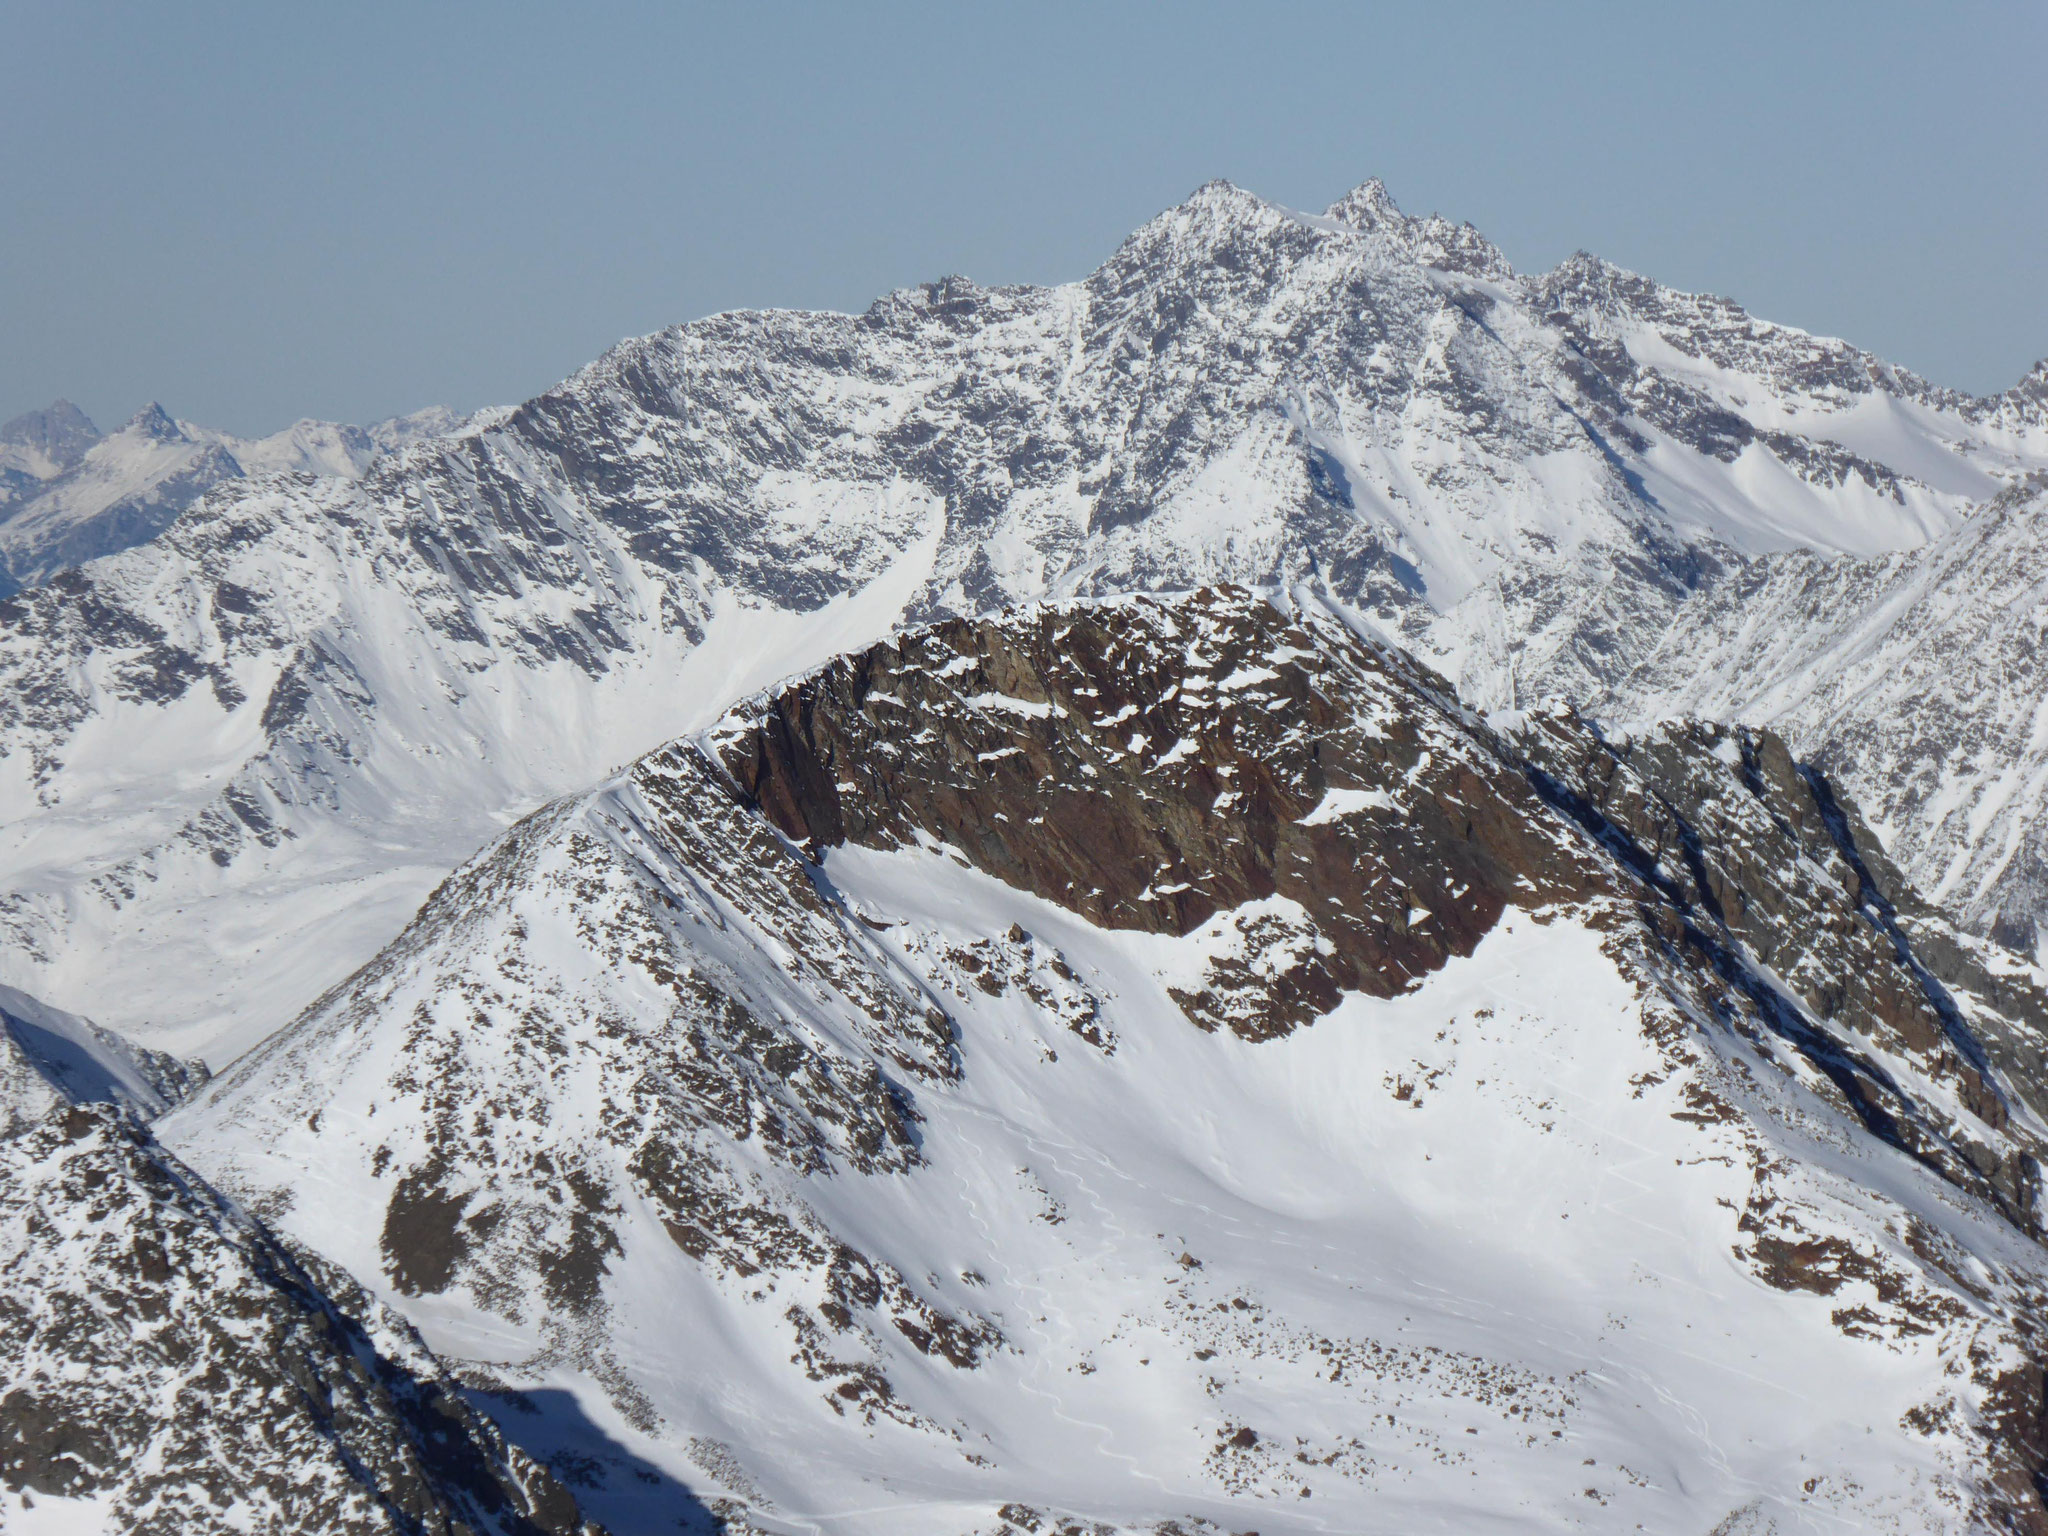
1151 764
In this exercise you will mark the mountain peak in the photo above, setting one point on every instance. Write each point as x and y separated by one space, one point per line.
1219 190
59 433
1220 197
60 416
1584 263
1434 241
1594 280
1366 206
153 421
2034 386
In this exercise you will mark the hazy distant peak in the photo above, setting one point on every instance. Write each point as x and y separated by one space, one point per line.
153 421
1366 206
68 495
48 441
428 421
58 421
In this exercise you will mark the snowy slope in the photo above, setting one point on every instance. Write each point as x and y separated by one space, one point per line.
249 747
68 495
1169 1066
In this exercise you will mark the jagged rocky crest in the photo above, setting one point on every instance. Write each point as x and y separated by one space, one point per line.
927 1072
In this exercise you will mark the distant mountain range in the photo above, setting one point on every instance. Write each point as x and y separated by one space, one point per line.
294 710
69 495
1308 885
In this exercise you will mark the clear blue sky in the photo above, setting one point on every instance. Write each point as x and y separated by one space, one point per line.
257 212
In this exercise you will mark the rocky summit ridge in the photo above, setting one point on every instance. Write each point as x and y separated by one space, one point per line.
1156 1065
1539 483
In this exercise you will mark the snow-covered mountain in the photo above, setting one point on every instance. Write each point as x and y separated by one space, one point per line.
68 495
41 445
237 757
1169 1066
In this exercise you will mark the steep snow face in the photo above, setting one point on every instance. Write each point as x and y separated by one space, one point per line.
68 495
49 1057
1151 1062
249 748
170 1369
1916 679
